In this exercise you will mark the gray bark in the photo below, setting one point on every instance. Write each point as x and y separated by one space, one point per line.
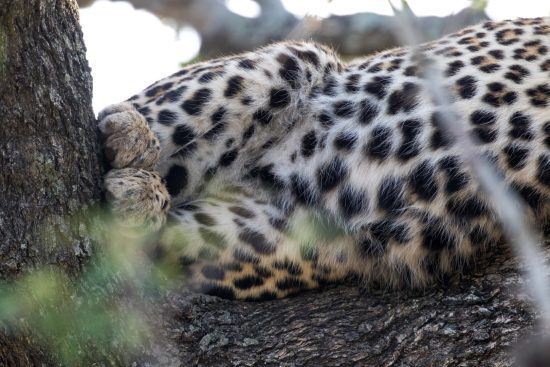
49 162
224 32
476 319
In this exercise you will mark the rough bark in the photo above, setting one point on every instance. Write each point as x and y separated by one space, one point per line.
50 171
224 32
49 161
475 320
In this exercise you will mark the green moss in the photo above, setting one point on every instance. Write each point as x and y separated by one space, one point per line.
3 51
8 31
479 5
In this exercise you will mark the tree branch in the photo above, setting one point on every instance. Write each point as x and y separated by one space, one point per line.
224 32
475 320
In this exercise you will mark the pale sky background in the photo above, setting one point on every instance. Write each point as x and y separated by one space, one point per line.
129 49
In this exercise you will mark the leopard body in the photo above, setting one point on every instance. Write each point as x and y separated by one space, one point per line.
286 168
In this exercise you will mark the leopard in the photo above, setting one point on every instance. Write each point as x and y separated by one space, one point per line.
284 169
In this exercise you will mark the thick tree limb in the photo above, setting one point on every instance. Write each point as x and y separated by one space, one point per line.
477 320
224 32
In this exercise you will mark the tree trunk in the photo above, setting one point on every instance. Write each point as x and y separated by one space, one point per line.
49 159
50 171
49 162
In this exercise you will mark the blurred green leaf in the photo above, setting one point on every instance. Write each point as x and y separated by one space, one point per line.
92 318
479 5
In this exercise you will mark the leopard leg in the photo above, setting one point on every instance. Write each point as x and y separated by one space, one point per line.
138 198
238 247
215 119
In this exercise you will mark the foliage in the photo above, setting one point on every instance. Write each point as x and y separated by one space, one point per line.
100 315
479 4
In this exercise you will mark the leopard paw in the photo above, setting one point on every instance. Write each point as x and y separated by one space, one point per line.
137 197
128 141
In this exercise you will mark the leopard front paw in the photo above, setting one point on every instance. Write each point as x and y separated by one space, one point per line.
128 141
138 198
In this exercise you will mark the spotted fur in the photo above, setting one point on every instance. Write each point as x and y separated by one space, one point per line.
288 168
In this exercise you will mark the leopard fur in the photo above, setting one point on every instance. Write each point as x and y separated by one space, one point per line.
288 168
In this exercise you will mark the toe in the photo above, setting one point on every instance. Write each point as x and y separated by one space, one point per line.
137 197
115 108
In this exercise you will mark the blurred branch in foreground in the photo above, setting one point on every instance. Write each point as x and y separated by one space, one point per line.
224 32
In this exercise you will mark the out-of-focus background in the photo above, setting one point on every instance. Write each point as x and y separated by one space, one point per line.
136 42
